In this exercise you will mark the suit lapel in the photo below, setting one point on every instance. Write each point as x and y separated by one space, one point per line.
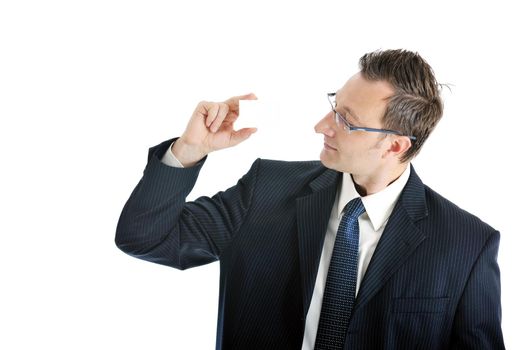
313 214
399 240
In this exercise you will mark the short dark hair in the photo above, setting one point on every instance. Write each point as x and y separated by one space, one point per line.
416 107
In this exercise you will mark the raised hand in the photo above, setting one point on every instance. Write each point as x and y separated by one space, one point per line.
211 128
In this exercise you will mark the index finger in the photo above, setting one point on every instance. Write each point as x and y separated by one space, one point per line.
234 102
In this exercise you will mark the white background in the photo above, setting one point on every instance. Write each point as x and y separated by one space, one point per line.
86 87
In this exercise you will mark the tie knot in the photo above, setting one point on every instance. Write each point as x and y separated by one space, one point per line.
354 208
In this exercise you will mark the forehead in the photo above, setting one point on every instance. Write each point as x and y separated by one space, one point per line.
366 99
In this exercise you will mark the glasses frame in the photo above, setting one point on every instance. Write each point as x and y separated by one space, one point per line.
348 127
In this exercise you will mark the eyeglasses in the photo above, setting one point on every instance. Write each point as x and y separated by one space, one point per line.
343 122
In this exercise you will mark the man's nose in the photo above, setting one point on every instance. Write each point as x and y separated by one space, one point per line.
326 125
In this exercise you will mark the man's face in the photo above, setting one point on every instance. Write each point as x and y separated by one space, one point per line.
362 103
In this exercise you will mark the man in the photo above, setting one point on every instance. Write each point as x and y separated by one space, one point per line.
352 252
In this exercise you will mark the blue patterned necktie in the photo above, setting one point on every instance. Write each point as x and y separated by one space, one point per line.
341 282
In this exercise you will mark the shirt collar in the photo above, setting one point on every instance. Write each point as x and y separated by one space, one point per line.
378 205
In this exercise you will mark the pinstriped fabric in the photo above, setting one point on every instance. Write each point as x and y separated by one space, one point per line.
313 213
264 261
341 282
154 210
433 281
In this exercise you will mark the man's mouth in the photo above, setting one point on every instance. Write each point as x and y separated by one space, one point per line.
327 146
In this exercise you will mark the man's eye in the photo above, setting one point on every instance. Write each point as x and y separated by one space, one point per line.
348 119
351 120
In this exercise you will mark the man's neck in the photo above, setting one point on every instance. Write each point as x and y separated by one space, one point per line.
376 182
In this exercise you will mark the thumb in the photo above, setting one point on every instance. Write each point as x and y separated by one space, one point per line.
241 135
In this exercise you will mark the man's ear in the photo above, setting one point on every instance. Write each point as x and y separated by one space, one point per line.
399 145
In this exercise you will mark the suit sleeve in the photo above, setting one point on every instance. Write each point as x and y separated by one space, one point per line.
477 323
158 225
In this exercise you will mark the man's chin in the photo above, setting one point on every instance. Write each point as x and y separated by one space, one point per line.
325 161
330 164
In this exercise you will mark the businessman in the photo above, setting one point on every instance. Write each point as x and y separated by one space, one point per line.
349 252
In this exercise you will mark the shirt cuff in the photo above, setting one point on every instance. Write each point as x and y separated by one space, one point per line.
169 159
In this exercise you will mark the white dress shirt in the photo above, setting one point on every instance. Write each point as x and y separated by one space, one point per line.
169 159
371 225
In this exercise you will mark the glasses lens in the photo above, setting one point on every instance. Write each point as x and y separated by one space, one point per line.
341 122
338 120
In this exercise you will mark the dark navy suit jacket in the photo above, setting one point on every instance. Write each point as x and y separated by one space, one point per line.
432 283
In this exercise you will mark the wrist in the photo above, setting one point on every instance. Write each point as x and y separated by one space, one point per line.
187 155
